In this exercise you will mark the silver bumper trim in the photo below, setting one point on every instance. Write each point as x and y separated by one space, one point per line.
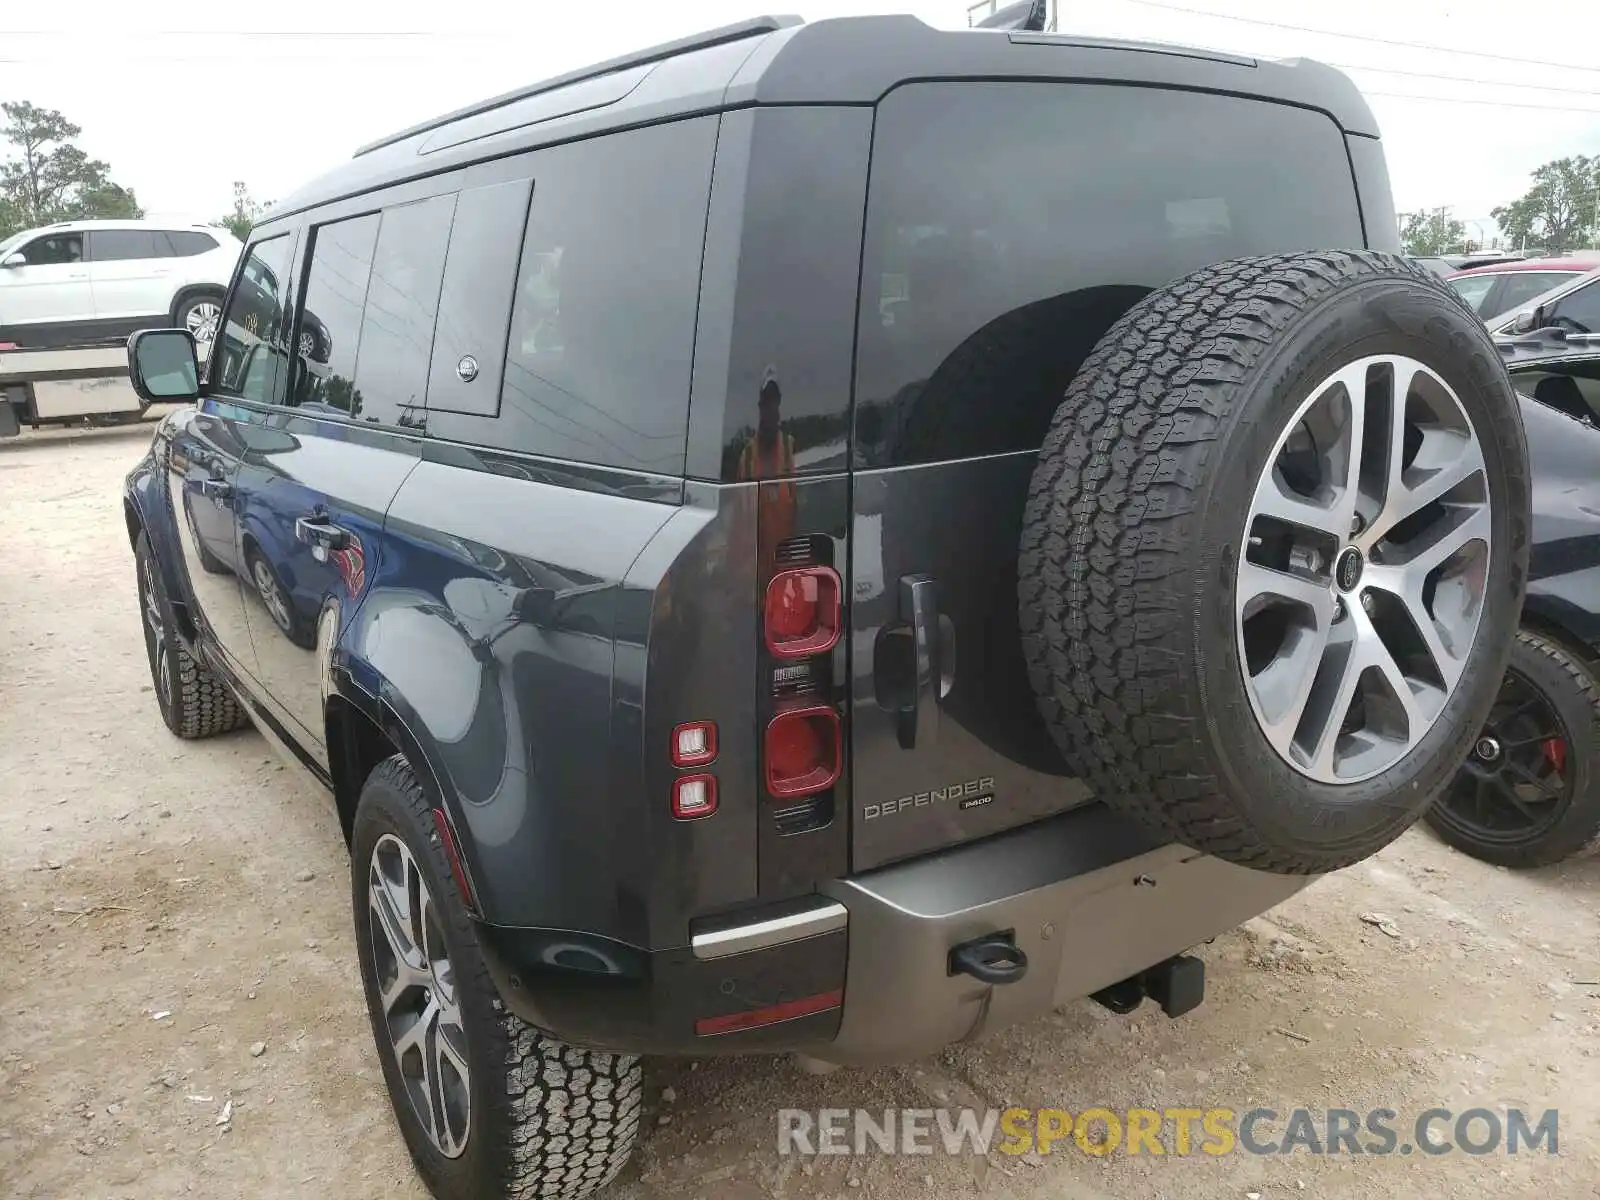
740 939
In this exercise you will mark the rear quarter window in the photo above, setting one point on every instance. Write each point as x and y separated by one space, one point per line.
1010 224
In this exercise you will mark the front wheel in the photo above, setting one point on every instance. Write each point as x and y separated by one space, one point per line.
194 702
1528 794
489 1106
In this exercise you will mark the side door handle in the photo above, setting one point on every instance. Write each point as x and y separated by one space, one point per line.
216 489
322 536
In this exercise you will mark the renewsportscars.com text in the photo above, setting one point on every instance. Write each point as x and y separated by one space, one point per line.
1167 1131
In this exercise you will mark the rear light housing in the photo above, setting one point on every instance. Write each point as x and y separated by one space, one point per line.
803 751
693 797
694 744
802 612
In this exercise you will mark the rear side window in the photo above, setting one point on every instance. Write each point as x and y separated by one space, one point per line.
185 243
121 245
1010 224
329 332
250 359
1475 289
603 319
391 371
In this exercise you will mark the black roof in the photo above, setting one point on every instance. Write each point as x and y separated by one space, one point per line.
779 60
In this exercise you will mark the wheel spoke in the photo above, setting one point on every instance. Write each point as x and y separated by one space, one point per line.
1528 777
1274 499
1329 718
1256 580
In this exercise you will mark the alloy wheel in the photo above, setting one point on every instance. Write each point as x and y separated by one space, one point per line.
202 320
157 631
1367 552
417 990
1518 780
271 594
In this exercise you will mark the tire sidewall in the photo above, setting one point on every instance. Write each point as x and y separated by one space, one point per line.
1383 316
479 1170
166 701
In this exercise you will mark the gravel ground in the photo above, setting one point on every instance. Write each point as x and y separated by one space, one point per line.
167 906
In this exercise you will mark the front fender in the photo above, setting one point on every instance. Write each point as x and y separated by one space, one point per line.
145 509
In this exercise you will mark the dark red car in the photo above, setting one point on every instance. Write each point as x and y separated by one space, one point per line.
1496 290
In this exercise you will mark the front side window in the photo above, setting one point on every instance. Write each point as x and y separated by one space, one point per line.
251 362
1579 311
1523 286
1008 227
121 245
329 333
55 250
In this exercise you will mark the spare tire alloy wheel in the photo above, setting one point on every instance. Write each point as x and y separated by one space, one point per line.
1274 554
1362 583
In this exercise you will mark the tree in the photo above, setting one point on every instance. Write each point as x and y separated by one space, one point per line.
46 178
246 212
1428 234
1558 213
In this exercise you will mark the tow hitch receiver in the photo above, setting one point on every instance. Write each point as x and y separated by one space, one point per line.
1178 985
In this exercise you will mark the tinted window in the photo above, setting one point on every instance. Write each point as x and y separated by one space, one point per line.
1579 311
118 245
250 361
602 327
54 250
1010 224
475 304
1475 289
402 298
1522 286
185 243
329 333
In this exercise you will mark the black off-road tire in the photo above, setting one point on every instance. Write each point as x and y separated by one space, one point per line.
194 702
1134 528
1572 828
547 1119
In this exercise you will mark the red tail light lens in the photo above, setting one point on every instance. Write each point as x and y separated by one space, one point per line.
803 752
694 796
802 612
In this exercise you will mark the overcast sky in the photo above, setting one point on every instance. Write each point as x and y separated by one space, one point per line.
274 94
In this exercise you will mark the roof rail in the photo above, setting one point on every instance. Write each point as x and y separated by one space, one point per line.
754 27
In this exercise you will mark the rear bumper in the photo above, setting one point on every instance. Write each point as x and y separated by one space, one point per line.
1088 897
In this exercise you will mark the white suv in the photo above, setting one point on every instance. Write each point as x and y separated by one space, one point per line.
85 281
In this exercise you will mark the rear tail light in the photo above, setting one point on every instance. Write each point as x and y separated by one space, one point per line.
802 612
694 744
803 752
694 796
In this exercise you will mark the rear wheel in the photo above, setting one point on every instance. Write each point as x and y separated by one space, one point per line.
1274 554
489 1106
1528 794
200 315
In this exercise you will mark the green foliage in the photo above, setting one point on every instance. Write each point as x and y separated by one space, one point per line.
246 212
1428 234
1558 213
45 177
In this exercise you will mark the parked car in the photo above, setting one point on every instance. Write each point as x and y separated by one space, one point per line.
763 587
1497 291
1529 793
79 282
1571 307
1449 264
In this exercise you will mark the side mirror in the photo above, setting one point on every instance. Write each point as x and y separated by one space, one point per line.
1525 322
162 366
19 259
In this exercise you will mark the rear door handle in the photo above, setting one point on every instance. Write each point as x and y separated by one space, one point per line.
322 536
919 608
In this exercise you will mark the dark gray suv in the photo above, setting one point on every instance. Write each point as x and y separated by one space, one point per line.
828 538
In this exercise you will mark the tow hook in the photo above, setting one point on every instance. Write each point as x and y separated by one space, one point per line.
1178 985
992 958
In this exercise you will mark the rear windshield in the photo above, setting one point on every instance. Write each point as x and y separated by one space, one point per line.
1010 224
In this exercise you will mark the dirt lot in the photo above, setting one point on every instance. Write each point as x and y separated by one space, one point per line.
165 906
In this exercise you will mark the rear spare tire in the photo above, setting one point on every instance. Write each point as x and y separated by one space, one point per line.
1274 553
